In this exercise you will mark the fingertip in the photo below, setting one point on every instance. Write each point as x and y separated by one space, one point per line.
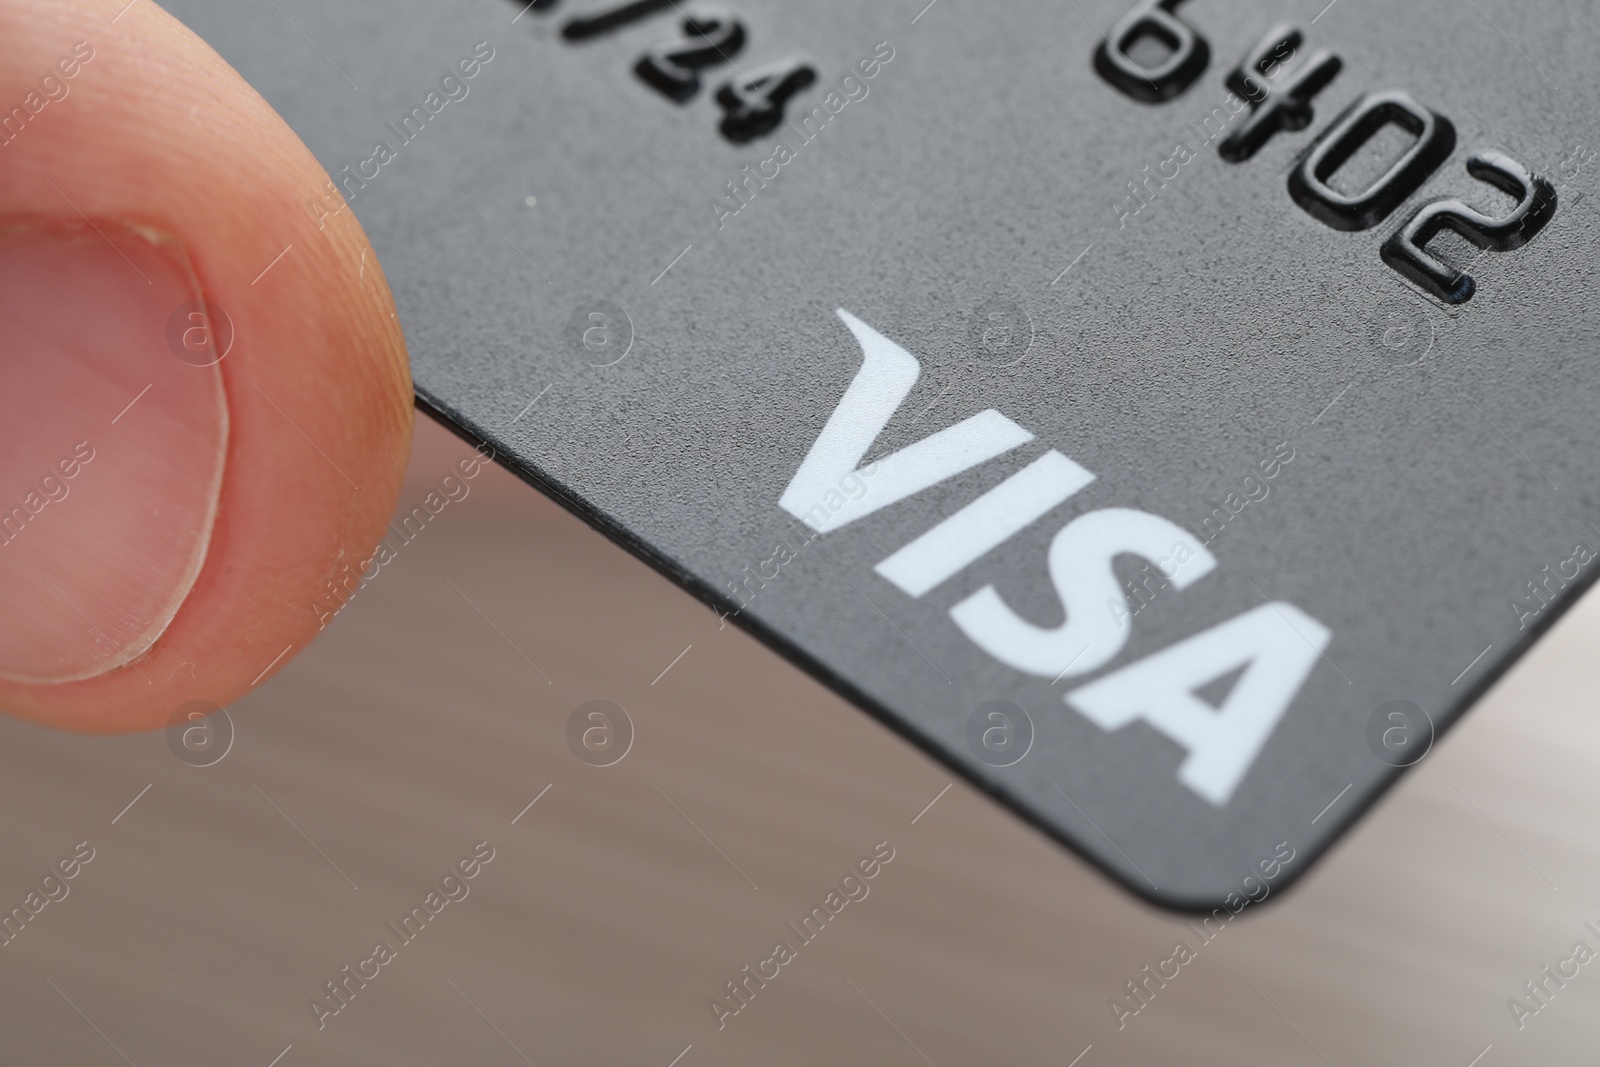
231 360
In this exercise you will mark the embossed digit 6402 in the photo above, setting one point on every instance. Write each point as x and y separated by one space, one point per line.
1287 108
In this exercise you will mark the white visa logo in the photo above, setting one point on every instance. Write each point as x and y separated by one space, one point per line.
1276 644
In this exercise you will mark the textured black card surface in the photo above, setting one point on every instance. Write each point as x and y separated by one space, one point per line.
1170 416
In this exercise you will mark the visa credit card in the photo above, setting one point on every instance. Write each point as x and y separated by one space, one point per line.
1170 416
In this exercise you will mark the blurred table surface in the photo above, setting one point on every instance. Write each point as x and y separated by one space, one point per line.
434 709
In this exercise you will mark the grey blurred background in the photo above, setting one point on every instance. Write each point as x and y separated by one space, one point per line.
435 708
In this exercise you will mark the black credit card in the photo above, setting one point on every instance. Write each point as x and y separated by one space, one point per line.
1169 416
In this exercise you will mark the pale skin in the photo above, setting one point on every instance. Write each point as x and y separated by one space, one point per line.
160 134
